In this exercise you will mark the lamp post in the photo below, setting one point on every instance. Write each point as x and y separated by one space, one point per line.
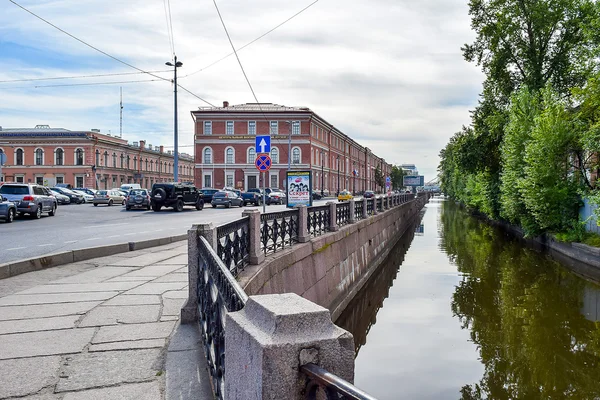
175 65
321 173
338 168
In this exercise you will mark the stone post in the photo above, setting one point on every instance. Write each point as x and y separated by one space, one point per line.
365 212
189 311
303 235
386 202
332 216
374 205
255 254
352 213
268 341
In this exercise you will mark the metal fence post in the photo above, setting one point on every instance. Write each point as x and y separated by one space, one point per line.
255 254
332 216
303 235
365 212
375 205
352 215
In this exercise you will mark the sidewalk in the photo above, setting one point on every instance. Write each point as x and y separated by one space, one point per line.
101 329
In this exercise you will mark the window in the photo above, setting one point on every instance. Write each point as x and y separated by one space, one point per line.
251 155
79 157
229 128
106 158
122 160
229 180
208 156
59 156
60 179
229 159
20 178
274 182
275 155
79 181
147 165
296 155
135 163
208 127
295 127
97 158
128 159
39 157
151 165
39 180
114 159
274 127
19 157
251 127
207 181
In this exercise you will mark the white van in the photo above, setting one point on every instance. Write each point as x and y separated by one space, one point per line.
127 187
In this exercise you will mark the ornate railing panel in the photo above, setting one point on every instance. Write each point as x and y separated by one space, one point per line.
218 294
358 210
380 204
342 213
278 230
233 242
323 384
318 220
370 206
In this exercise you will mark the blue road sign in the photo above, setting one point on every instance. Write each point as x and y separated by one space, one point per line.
263 144
263 162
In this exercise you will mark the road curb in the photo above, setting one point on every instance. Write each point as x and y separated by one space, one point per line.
19 267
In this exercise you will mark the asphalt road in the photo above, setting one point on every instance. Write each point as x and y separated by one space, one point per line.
77 226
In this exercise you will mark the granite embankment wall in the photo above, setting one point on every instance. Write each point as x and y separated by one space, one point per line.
330 269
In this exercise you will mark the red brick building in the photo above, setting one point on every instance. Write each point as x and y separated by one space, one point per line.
49 156
225 153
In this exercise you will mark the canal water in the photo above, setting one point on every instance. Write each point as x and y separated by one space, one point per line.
463 310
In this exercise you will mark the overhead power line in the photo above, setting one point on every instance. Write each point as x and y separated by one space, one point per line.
195 95
169 25
80 84
255 40
77 76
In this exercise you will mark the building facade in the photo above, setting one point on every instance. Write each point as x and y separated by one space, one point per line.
48 156
225 153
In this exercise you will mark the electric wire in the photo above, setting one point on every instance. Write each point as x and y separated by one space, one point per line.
168 27
77 76
171 26
251 42
195 95
81 84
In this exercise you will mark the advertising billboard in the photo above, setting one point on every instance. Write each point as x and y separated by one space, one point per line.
413 180
299 188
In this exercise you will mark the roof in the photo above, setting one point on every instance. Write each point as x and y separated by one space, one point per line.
265 107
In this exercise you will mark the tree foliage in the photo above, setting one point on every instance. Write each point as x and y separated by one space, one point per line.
379 178
397 176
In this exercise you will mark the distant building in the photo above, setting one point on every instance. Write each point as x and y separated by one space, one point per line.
49 156
409 169
225 153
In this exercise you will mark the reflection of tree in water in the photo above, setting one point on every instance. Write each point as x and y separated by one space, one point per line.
524 314
361 313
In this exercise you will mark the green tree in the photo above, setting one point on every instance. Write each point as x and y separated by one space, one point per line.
379 178
397 177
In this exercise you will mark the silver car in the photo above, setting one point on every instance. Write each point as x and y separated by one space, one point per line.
8 210
30 199
108 197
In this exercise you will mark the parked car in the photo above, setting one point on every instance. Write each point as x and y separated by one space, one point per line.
76 198
345 196
227 199
175 195
64 185
87 198
86 190
108 197
138 198
276 197
60 198
252 198
8 210
30 199
316 195
128 186
369 194
207 194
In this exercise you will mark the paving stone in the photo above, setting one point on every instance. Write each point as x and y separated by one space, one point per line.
45 343
24 299
26 376
146 259
155 330
156 288
46 310
176 294
153 271
172 306
38 324
187 376
129 345
98 274
81 287
112 315
165 318
173 277
137 391
180 260
132 300
94 370
130 279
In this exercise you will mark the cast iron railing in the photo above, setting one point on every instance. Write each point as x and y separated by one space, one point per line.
218 294
342 213
318 220
370 206
358 210
379 204
233 243
324 384
278 230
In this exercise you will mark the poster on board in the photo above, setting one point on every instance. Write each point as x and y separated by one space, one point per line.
299 188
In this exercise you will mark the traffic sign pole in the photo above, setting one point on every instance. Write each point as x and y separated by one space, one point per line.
264 191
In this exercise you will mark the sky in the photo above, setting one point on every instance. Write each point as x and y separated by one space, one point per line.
388 73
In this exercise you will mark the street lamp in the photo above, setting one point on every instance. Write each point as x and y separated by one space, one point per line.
321 173
175 65
338 168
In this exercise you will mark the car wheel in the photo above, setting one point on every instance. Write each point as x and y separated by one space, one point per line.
179 206
53 212
156 208
199 205
123 203
95 204
242 203
228 205
110 203
148 208
38 213
11 215
127 208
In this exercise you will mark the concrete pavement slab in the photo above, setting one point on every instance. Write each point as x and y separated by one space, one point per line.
176 294
128 345
38 324
118 333
27 376
157 288
81 287
179 260
46 310
146 259
24 299
137 391
95 370
153 271
172 306
131 300
44 343
172 277
112 315
130 279
98 274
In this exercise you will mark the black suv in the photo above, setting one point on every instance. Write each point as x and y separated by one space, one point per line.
175 195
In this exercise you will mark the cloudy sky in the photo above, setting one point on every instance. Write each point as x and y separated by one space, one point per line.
389 73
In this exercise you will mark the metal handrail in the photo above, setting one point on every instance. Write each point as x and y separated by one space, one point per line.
334 386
